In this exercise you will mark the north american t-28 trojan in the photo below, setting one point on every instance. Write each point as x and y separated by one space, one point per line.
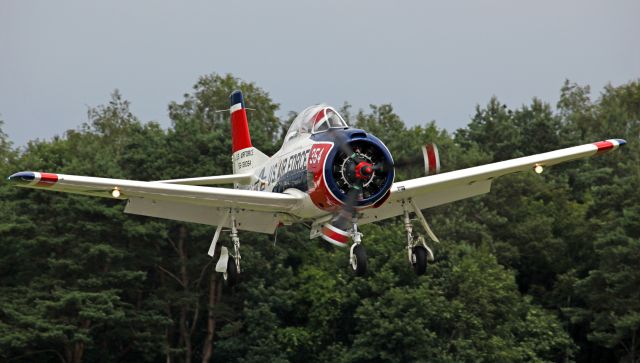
326 174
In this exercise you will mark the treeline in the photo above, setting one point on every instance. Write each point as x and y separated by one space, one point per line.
544 268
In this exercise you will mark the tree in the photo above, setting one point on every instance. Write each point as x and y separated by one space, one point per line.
541 269
6 152
607 296
68 282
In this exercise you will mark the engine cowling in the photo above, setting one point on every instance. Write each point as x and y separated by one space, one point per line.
332 174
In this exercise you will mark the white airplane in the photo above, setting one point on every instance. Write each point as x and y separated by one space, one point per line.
327 174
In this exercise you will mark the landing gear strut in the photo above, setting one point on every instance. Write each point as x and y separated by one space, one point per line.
228 264
417 250
233 266
358 254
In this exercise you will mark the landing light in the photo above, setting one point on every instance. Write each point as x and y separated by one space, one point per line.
115 192
538 169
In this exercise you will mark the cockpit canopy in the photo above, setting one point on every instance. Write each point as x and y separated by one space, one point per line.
313 120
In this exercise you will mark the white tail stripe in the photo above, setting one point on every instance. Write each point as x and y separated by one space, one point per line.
236 107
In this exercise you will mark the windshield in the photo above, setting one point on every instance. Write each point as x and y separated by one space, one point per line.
326 119
315 119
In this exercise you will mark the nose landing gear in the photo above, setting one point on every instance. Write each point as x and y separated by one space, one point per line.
357 254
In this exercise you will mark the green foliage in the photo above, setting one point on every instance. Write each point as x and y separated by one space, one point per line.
7 155
607 294
544 268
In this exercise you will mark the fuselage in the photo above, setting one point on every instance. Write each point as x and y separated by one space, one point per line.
326 159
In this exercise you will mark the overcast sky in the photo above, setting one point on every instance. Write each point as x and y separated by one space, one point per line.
433 60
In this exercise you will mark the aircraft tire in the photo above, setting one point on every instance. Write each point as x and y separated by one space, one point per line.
231 276
419 260
359 260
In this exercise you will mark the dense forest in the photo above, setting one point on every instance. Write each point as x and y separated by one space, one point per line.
545 268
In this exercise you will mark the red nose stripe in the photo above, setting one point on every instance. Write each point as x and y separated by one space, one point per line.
329 235
47 179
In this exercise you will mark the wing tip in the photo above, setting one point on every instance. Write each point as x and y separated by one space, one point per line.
33 178
22 177
621 142
610 144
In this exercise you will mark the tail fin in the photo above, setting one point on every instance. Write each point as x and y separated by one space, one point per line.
245 157
240 137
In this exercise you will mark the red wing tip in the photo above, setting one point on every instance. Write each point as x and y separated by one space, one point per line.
610 144
33 177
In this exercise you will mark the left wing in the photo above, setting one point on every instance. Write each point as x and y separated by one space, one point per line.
212 180
257 211
434 190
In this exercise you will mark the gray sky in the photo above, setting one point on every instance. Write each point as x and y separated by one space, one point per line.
432 60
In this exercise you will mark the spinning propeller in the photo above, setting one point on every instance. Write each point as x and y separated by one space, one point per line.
360 171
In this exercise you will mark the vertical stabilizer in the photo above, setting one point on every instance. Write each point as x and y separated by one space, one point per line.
240 137
245 157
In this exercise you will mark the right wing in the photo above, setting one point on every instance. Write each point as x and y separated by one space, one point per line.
434 190
257 211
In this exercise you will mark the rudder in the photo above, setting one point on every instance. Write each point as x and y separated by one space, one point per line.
245 157
240 137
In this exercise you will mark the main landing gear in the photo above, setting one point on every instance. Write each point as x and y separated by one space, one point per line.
228 264
418 253
417 250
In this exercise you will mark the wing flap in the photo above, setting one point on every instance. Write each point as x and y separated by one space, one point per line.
394 205
246 220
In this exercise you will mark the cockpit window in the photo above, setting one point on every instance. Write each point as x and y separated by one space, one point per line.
301 125
322 126
334 119
328 118
314 119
